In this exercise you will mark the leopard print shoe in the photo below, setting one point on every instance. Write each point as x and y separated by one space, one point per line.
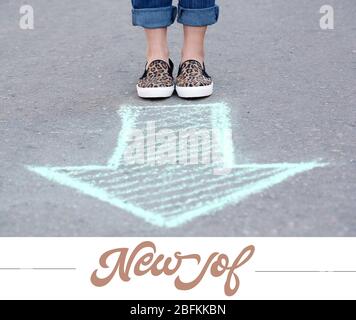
157 80
193 81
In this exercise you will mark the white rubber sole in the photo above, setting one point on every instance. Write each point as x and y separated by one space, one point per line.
155 92
195 92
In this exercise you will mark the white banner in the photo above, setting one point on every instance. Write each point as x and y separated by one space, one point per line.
177 268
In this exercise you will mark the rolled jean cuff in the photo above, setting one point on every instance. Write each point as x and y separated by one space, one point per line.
152 18
198 17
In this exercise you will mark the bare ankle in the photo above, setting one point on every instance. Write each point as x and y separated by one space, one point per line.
193 48
192 56
157 44
157 55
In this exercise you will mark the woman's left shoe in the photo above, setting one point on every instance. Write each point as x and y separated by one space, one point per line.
193 81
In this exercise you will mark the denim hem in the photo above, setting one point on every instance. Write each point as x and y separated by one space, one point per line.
152 18
198 17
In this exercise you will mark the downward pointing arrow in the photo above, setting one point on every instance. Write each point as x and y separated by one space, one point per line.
170 195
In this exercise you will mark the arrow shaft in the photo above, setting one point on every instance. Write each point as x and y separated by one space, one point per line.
214 117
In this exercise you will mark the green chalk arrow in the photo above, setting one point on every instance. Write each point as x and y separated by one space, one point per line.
170 195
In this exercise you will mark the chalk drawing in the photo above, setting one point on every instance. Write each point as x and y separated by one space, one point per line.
171 195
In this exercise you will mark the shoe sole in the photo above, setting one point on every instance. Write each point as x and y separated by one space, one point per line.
195 92
163 92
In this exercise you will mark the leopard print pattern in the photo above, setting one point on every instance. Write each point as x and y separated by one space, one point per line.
157 75
192 74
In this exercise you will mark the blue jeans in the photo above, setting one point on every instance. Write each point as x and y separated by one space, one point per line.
152 14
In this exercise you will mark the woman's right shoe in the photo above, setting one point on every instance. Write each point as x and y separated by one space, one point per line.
193 81
157 80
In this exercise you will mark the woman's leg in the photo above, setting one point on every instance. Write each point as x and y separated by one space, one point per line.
157 45
154 16
193 46
196 15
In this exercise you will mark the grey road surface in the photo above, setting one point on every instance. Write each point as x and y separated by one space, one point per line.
291 87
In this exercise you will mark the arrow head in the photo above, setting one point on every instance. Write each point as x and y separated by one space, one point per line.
171 196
